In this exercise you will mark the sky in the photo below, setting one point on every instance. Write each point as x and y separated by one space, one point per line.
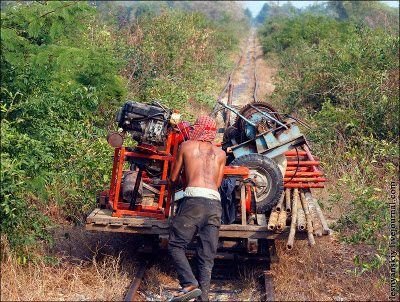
255 6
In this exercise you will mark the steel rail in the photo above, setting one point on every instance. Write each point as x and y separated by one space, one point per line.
269 293
134 286
226 86
255 71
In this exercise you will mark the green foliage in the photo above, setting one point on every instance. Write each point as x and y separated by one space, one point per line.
53 74
342 77
64 73
176 54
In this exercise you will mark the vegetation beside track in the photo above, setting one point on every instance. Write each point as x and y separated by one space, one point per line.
341 75
65 71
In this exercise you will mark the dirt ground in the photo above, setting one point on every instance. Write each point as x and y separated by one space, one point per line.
100 266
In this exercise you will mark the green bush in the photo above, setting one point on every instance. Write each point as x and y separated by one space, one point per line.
53 76
342 77
65 70
174 55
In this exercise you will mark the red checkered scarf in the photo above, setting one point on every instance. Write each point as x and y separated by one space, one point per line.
204 129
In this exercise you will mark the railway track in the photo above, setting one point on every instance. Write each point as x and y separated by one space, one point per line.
228 270
225 272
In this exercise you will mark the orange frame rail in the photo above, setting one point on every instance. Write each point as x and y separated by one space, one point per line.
120 208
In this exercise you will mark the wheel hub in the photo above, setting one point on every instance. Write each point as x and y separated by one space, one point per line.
262 178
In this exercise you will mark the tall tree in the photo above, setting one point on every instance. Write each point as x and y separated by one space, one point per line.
338 7
262 15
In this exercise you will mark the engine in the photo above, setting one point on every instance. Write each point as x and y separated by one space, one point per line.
149 124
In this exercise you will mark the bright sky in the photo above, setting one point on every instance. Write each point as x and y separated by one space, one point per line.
255 6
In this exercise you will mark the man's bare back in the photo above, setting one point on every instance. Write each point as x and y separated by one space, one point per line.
203 164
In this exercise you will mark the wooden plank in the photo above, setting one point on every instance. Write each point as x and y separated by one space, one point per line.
126 229
254 228
90 217
259 235
164 232
105 215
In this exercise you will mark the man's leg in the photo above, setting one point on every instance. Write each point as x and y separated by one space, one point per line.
181 233
206 251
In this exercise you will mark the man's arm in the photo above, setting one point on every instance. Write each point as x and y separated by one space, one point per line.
176 169
221 170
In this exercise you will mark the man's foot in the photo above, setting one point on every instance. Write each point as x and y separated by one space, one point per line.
187 293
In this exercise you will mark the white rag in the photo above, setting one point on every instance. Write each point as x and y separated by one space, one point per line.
202 192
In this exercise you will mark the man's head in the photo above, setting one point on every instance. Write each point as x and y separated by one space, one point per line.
204 129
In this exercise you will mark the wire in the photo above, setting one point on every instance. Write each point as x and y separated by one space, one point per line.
297 168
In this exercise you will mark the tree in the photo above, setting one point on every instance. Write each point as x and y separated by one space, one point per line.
262 15
338 7
248 13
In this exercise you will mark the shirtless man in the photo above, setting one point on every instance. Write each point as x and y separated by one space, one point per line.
200 211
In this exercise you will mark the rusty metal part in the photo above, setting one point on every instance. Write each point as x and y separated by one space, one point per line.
134 286
294 219
281 224
269 295
115 139
247 111
251 246
163 241
280 202
273 219
310 229
288 206
325 226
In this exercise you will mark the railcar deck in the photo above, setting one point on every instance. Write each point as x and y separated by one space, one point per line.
102 220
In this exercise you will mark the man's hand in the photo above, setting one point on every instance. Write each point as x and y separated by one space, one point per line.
170 183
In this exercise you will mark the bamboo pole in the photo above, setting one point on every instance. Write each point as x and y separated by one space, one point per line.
294 218
313 212
288 206
281 224
280 202
310 230
273 219
320 214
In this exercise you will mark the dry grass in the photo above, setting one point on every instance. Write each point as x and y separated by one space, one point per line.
265 75
90 267
319 274
69 280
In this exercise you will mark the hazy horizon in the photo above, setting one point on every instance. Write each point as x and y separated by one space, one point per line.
255 6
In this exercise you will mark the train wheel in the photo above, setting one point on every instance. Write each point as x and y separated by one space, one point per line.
263 170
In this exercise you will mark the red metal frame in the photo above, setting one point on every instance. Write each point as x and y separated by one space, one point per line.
244 172
308 175
121 208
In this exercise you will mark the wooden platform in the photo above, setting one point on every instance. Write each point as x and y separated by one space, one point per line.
101 220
